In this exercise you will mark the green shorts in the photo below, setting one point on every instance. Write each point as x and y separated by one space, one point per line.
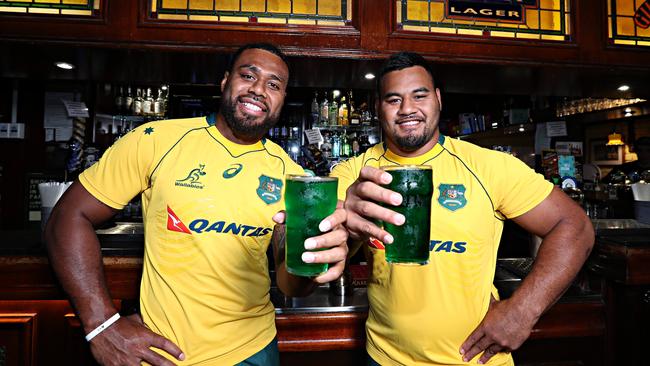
267 356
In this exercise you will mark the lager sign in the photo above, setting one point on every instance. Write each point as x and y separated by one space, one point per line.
494 10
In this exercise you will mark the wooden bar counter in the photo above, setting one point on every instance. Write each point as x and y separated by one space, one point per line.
38 325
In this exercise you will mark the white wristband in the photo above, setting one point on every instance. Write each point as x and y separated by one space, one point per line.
102 327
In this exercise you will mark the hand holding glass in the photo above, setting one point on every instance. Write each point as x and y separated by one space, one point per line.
308 201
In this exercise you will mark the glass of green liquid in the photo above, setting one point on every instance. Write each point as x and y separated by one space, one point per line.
308 201
411 240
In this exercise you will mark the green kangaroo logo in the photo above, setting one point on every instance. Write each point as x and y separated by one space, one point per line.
194 175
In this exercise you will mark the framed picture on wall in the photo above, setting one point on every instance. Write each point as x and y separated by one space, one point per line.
601 154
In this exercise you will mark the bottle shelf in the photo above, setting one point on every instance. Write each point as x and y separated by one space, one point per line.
348 127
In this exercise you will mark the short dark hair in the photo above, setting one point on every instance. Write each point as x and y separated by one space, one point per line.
402 60
260 46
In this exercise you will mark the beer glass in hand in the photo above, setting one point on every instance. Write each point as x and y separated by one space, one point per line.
411 240
308 201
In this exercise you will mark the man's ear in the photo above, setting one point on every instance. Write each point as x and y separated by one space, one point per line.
224 80
439 99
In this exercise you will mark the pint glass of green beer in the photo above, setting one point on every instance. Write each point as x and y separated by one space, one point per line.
308 201
411 240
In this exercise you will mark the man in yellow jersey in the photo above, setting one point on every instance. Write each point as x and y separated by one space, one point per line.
212 189
447 312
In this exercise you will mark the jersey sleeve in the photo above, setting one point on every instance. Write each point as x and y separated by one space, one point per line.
123 171
518 187
347 174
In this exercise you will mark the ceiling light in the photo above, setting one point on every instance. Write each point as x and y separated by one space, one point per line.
164 87
624 88
369 76
614 139
336 93
628 114
64 65
628 110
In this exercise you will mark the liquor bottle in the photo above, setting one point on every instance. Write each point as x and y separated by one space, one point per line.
324 111
128 101
345 145
315 109
147 103
334 112
119 100
158 104
336 146
355 114
326 146
343 113
137 103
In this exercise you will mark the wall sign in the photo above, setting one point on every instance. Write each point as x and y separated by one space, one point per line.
501 10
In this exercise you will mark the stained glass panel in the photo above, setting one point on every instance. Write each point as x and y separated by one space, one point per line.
629 22
56 7
525 19
301 12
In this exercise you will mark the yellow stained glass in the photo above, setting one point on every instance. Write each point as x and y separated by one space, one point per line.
172 16
437 12
76 12
470 32
329 22
22 1
231 5
549 19
549 4
625 8
643 32
76 2
43 11
271 20
201 4
329 7
48 1
252 5
11 9
531 19
423 29
279 6
205 18
233 19
643 43
302 21
174 4
304 7
503 34
625 26
418 10
528 35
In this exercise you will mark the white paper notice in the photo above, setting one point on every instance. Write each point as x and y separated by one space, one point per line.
76 109
555 129
314 136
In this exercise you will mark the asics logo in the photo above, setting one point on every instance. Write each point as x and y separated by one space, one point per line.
232 171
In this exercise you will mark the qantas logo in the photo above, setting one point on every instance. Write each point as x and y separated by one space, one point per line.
642 15
174 223
448 246
200 226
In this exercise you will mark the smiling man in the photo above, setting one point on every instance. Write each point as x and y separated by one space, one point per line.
447 312
212 189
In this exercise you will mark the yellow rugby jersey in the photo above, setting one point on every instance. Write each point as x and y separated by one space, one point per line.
207 207
421 315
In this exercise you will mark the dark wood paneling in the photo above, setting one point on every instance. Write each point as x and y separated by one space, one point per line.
321 332
372 34
17 338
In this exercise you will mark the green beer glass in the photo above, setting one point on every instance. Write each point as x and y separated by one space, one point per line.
308 201
411 240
